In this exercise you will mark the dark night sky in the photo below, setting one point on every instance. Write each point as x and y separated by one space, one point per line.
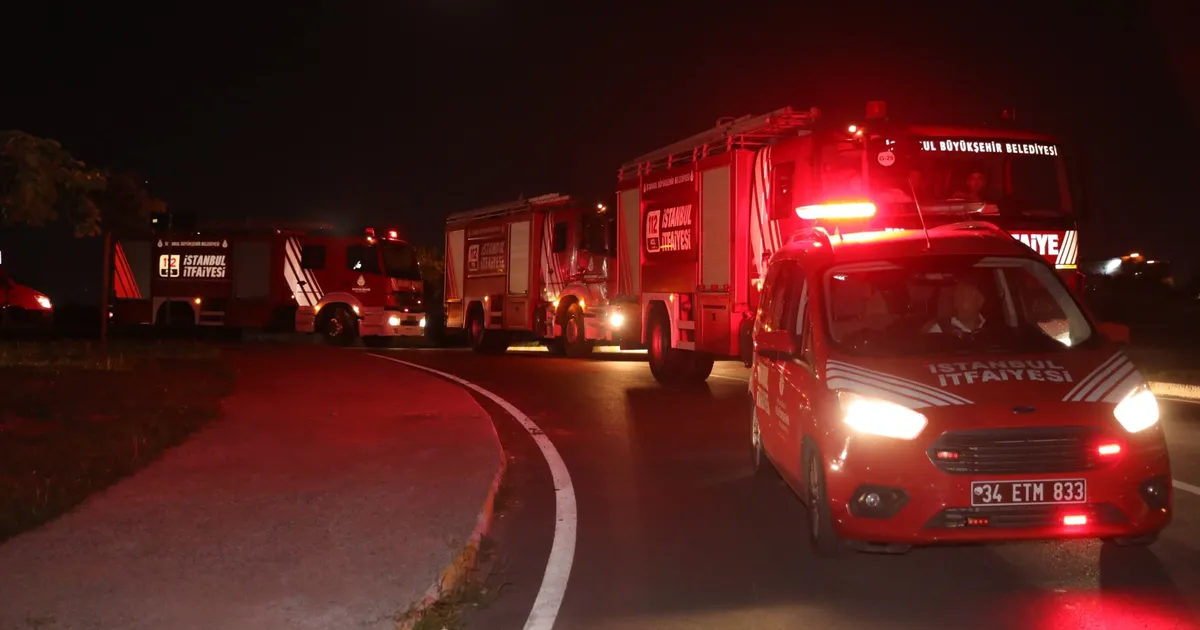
403 113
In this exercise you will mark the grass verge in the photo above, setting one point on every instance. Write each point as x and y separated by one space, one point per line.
77 417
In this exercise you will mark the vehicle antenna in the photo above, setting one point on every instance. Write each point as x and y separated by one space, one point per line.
920 215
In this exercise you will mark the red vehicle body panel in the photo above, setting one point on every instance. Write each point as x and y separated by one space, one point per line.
254 279
740 209
522 264
1029 408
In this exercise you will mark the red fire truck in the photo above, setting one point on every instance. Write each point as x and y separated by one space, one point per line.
699 219
303 278
531 269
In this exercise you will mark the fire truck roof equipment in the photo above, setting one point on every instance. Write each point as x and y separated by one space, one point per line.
747 132
507 208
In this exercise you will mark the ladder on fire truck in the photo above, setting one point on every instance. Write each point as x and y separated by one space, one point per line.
747 132
507 208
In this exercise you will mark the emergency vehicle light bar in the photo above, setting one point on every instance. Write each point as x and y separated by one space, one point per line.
853 210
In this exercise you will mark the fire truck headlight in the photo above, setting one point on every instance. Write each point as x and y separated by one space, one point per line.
393 321
616 320
44 302
421 323
880 417
1138 411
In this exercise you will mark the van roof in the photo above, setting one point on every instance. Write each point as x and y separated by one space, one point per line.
969 238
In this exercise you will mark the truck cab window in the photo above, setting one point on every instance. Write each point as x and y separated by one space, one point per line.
362 258
561 230
312 257
595 234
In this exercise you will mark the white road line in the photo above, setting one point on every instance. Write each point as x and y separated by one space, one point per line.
1186 487
562 549
729 378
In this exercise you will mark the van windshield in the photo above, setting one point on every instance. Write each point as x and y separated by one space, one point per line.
951 305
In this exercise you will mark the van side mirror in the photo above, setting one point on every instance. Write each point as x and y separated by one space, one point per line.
776 345
1114 331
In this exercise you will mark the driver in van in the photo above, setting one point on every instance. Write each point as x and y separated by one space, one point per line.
967 310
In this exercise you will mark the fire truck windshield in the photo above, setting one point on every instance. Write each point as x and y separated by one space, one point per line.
400 260
937 305
986 176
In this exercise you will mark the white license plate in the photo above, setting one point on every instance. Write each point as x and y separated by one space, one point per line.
1035 492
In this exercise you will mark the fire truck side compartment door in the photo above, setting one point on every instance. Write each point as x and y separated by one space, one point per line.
715 224
518 257
630 207
251 269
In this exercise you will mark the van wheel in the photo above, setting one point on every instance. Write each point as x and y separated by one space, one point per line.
758 457
821 535
575 340
340 327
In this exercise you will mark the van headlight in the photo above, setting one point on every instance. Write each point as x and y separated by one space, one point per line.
1138 411
873 416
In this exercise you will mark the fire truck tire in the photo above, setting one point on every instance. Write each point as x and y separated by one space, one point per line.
575 340
670 366
482 340
339 328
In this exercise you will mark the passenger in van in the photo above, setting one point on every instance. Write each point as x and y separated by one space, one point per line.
967 311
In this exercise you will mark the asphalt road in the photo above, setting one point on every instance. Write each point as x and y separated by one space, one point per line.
675 532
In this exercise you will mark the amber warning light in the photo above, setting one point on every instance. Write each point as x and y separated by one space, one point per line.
857 210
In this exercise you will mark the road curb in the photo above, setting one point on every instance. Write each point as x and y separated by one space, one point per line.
1175 391
467 557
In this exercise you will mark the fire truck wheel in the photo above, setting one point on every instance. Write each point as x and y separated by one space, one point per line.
575 334
482 340
668 365
339 327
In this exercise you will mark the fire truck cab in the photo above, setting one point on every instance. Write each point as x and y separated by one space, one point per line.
700 219
531 270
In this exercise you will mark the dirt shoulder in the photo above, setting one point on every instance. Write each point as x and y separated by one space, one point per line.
75 418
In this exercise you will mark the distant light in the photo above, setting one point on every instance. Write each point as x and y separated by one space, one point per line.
1135 255
1111 266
